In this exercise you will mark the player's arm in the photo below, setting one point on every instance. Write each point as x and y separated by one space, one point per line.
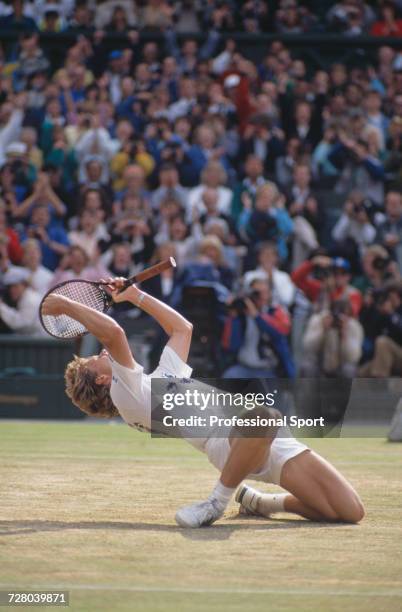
107 331
174 324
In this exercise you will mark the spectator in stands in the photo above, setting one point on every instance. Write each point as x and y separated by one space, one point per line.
332 342
281 285
52 238
19 305
306 214
377 269
255 332
351 17
381 318
76 264
11 118
88 235
9 237
213 177
354 232
264 141
325 280
40 277
268 220
16 20
390 231
42 195
247 188
389 24
286 163
360 166
169 187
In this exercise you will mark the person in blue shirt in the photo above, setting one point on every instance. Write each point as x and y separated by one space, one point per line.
266 220
53 238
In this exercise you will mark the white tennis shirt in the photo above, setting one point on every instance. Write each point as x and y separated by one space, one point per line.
131 388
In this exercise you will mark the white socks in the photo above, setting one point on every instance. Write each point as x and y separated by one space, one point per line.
268 503
222 494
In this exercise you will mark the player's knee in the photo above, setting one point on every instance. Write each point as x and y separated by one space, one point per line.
353 511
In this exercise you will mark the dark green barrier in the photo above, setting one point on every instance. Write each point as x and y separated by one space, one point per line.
35 397
45 355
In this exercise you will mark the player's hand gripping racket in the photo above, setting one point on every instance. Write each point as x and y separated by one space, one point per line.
90 294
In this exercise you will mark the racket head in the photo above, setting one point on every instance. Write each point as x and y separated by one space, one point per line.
84 292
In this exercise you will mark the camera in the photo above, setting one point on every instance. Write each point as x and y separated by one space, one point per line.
239 303
338 308
381 263
322 272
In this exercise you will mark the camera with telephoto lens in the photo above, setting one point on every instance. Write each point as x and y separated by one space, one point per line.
339 308
322 272
239 303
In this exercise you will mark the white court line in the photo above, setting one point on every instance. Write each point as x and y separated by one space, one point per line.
223 591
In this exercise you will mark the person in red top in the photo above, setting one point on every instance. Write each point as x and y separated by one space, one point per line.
14 248
335 283
389 25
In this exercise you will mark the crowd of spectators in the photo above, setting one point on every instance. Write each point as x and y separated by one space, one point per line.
275 184
349 17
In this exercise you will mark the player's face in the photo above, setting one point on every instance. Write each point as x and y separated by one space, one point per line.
100 365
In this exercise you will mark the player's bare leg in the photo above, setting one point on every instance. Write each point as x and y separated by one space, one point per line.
316 491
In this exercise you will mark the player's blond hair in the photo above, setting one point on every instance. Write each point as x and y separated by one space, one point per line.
81 388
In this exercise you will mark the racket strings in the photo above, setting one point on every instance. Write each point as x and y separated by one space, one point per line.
83 292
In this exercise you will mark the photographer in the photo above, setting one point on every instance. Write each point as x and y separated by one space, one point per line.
256 331
377 268
381 318
353 231
332 342
325 280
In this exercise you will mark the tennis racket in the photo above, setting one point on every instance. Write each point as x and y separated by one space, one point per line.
90 294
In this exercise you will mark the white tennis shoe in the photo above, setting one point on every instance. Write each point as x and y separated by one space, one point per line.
201 514
248 499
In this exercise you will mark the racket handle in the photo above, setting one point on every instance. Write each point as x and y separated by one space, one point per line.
150 272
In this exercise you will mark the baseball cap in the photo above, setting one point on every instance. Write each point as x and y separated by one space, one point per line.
339 263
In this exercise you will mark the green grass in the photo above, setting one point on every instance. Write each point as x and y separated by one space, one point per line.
90 509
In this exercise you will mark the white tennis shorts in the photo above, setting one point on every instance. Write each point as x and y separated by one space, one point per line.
282 449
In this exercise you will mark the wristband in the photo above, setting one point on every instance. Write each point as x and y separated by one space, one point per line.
140 300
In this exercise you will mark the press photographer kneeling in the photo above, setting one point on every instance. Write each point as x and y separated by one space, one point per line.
255 336
333 337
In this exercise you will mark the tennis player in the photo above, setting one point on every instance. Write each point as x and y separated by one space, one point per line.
113 383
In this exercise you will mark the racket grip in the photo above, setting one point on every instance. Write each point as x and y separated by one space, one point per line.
150 272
